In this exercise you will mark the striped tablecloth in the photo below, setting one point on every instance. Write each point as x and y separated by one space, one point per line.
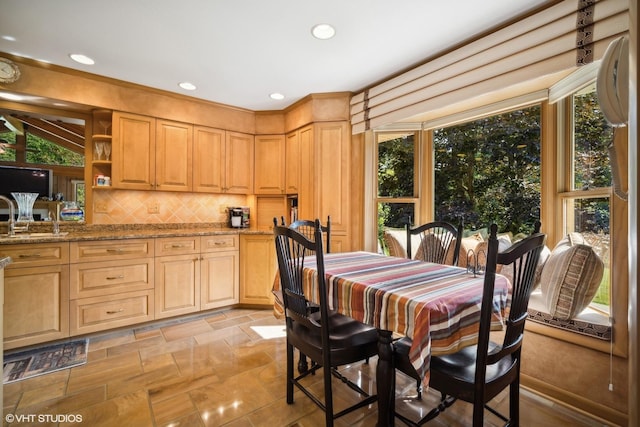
437 306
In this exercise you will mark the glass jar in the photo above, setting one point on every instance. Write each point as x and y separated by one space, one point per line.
71 212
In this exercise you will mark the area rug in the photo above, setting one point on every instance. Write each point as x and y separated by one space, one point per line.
43 360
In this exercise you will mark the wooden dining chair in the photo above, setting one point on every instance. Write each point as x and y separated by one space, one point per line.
328 338
307 228
476 374
439 242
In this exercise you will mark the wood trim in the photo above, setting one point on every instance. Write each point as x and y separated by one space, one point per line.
574 401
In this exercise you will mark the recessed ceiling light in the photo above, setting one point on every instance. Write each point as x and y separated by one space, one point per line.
9 38
187 86
277 96
82 59
323 31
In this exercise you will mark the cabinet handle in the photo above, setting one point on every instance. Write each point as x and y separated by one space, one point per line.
120 310
178 245
119 250
29 256
220 243
115 277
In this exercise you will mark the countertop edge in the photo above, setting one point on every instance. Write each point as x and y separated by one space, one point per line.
130 234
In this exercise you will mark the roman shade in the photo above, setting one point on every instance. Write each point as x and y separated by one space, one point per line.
562 37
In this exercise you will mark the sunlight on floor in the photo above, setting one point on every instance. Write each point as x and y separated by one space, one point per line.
269 332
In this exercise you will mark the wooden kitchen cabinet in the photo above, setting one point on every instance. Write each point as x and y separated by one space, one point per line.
177 270
208 160
111 284
36 293
150 154
238 163
292 157
133 138
219 271
324 170
269 164
174 156
258 266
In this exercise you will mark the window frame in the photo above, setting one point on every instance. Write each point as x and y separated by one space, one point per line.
419 182
553 166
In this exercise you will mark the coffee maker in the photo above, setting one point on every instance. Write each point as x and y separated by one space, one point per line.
238 217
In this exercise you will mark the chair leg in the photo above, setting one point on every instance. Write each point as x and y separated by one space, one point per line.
478 413
303 366
328 396
514 402
289 373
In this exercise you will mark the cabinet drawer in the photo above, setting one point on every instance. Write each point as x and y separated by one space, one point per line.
36 254
100 313
220 242
110 277
104 250
177 245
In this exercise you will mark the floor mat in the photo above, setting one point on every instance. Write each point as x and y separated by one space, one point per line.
43 360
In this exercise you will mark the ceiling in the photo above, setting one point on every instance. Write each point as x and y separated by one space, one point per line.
239 52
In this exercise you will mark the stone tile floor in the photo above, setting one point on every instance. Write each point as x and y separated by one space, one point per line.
214 369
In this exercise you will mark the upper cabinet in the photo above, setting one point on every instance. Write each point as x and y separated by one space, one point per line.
292 159
269 164
174 156
154 154
133 165
238 162
208 161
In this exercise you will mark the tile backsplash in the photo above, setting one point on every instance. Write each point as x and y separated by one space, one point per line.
155 207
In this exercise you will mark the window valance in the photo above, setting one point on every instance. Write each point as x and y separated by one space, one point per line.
562 37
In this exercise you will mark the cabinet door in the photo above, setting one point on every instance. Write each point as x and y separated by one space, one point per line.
307 192
133 165
333 159
292 163
208 160
269 164
36 305
219 279
174 156
177 288
257 269
239 163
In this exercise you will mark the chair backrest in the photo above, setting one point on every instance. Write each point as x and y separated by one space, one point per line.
307 228
293 249
438 239
523 257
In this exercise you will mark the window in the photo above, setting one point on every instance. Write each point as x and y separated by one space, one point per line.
488 171
587 202
397 189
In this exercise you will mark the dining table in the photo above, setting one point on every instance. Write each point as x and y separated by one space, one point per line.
436 305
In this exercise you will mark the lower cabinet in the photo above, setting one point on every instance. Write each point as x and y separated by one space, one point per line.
56 290
258 267
36 305
111 284
36 294
177 266
219 271
205 277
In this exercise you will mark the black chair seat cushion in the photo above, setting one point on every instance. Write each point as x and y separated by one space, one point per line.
456 371
350 339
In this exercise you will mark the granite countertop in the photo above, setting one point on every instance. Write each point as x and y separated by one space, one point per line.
41 232
4 261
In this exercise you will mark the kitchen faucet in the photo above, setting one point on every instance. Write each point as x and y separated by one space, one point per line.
11 223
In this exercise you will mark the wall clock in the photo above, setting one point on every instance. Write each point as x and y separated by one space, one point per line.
9 71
